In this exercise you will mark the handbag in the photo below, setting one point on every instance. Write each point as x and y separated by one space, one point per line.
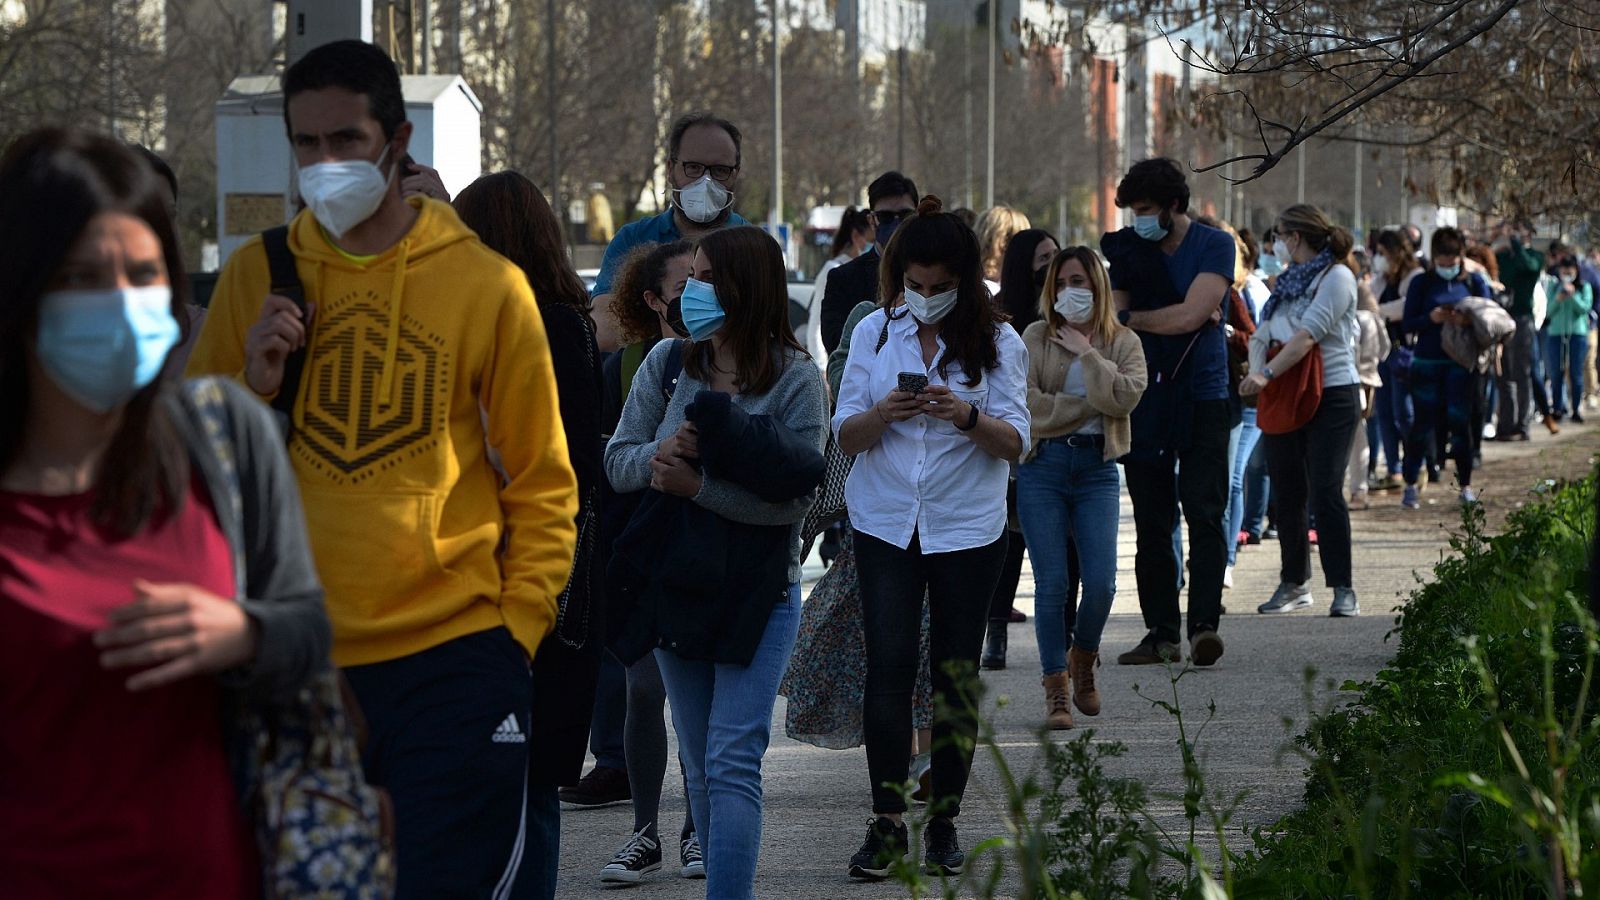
1291 398
829 507
321 831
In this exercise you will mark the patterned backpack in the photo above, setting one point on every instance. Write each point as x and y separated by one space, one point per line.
320 829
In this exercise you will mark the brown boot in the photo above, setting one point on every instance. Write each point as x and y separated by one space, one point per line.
1081 665
1057 709
1550 423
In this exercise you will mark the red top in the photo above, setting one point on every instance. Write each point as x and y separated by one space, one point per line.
105 792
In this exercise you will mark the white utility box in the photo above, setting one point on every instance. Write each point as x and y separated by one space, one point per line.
255 168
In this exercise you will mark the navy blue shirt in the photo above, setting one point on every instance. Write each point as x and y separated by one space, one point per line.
1428 292
1204 249
662 229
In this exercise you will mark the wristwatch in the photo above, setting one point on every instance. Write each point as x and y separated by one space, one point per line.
1123 315
972 420
1266 372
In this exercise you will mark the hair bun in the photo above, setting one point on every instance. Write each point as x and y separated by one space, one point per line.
930 206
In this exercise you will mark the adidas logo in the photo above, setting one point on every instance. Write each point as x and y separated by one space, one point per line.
509 732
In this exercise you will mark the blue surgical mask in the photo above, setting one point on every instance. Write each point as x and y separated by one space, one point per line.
1270 265
101 347
1149 227
1448 273
702 311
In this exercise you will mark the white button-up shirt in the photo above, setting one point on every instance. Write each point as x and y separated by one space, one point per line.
924 476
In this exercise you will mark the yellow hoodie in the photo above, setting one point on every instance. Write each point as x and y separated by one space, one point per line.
417 540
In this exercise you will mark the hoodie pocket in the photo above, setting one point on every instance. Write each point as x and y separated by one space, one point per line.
376 553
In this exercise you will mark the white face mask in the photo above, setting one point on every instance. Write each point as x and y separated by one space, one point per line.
1281 251
1380 265
344 193
930 310
1075 304
704 200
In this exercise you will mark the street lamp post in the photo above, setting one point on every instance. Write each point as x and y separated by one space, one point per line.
994 40
776 215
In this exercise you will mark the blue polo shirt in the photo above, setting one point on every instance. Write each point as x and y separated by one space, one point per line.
662 229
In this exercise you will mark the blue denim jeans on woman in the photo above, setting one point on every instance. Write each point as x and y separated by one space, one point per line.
1564 357
1244 448
1069 492
723 715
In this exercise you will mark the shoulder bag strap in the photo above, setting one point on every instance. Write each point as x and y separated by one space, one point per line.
286 283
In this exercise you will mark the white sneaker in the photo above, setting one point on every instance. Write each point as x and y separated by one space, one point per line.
1468 496
1227 578
1287 598
1489 431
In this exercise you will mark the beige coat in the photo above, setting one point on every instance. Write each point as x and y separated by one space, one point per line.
1115 377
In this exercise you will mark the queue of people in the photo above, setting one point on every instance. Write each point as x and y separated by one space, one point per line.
459 524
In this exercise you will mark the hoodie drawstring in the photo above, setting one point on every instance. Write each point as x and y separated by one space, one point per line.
391 350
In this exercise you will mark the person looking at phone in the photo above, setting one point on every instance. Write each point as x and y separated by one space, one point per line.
927 500
1441 389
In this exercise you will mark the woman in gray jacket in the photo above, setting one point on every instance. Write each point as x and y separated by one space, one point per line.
153 560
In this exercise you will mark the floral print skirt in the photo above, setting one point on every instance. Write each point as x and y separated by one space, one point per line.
827 677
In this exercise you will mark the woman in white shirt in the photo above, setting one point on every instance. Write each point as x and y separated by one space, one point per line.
927 500
1312 310
853 237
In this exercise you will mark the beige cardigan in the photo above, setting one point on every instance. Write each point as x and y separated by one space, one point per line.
1115 377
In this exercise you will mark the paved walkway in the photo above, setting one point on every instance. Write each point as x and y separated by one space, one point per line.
816 800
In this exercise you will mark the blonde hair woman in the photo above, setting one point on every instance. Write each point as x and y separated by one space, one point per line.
996 227
1086 373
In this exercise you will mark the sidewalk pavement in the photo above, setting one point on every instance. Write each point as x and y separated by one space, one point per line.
817 804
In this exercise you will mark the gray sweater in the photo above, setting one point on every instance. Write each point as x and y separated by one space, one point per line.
797 400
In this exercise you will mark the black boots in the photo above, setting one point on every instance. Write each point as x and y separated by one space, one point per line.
994 646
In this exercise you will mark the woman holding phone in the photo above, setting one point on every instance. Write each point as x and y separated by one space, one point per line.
927 500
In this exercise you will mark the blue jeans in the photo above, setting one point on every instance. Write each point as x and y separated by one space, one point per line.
723 715
1564 356
1257 492
1249 436
1069 492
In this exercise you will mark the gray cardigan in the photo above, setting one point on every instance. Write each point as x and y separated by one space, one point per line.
797 400
238 448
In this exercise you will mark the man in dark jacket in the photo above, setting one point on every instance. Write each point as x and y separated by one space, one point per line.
1520 269
892 198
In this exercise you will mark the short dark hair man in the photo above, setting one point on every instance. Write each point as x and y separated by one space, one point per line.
892 198
422 347
1169 277
704 152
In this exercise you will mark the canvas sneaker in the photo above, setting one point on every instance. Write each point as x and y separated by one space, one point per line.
639 857
1411 499
693 863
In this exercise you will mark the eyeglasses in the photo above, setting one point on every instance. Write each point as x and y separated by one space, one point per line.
886 216
695 170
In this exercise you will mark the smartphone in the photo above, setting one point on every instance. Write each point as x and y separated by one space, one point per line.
913 382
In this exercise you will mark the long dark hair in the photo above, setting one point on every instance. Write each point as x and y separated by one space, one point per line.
1019 293
852 222
643 269
933 237
747 272
53 181
514 220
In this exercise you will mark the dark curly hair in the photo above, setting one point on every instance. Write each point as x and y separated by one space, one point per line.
643 269
933 237
1159 181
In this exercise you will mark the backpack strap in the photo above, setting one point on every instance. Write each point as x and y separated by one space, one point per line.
286 283
632 358
673 370
883 335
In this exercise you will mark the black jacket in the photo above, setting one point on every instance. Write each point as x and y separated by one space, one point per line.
849 284
693 582
565 677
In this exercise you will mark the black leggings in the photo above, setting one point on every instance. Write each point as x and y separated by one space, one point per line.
1308 474
958 586
645 736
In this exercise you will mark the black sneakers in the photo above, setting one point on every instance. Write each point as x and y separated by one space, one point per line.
885 844
941 853
639 857
603 786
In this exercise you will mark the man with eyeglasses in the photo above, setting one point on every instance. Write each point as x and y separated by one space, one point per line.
892 198
703 155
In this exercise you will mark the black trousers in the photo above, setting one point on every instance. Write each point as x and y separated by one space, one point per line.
1196 477
1308 476
958 587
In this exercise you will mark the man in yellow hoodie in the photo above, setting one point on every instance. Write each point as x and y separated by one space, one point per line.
422 348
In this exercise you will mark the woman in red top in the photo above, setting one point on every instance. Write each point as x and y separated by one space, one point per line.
122 623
